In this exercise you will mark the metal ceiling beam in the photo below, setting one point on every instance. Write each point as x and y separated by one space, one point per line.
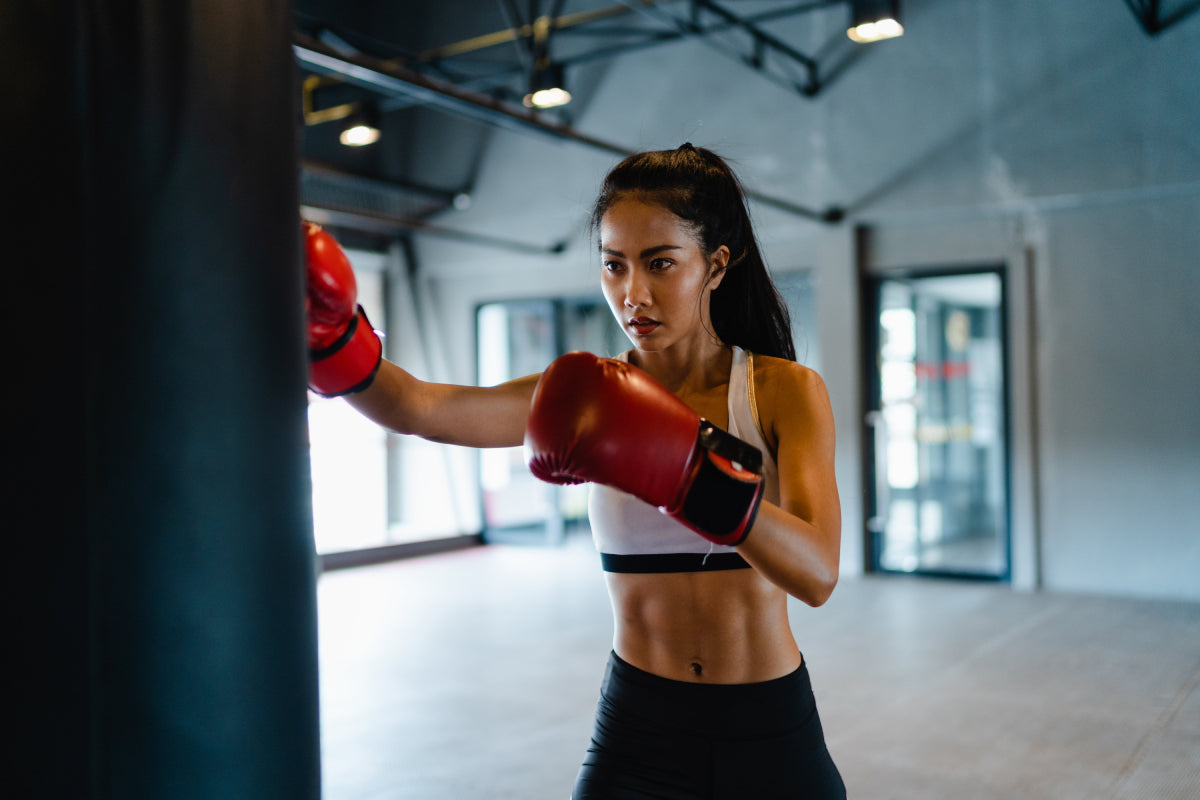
704 19
762 43
516 33
444 197
392 80
392 224
370 205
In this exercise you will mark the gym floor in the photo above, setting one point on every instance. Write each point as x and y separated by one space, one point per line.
473 675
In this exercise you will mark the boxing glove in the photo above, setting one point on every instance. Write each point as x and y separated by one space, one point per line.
343 351
604 421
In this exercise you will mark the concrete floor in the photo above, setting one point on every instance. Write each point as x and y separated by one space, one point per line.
474 675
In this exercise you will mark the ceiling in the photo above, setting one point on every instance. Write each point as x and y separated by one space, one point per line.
443 77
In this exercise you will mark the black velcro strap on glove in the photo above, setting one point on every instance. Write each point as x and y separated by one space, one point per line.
724 496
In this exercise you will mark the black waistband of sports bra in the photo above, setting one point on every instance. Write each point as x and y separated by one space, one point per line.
672 562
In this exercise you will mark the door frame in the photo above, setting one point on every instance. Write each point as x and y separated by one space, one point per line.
870 284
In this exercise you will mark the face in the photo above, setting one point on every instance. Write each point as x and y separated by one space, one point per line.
655 275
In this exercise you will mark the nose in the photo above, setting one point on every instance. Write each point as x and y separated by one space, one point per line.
637 290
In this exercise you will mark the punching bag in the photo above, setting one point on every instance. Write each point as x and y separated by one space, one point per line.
183 661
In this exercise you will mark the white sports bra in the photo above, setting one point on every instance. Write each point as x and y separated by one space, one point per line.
634 536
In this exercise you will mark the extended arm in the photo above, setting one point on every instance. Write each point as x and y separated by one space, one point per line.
346 361
464 415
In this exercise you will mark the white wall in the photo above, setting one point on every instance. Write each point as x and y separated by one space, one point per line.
1056 138
1122 443
1084 154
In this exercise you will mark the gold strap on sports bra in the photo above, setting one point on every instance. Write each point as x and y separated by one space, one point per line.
753 397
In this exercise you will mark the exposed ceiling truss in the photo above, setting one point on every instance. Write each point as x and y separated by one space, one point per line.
632 25
483 77
492 62
405 208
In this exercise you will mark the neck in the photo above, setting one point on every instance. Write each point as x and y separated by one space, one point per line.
687 368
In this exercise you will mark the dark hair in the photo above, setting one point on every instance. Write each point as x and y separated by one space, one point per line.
697 186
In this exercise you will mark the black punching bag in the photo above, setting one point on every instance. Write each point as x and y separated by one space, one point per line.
183 661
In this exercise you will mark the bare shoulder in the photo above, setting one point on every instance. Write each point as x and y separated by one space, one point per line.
790 397
780 379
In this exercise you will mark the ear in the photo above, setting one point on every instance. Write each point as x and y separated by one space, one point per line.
716 267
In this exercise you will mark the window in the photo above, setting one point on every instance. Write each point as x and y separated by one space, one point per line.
348 457
519 338
372 488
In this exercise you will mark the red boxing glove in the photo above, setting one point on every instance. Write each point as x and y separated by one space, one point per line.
604 421
343 351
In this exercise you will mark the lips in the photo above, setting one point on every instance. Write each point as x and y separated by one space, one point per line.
642 325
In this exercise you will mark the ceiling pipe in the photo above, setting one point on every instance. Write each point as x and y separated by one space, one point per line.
391 224
445 197
395 80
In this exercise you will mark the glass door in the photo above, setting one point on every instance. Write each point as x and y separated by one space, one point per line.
937 434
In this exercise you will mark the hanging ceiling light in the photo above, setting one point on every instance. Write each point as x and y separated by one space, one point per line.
873 20
362 127
547 88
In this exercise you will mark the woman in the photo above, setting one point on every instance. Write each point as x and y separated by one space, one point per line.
706 693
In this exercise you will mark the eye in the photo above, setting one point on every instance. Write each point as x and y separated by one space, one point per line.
612 266
659 264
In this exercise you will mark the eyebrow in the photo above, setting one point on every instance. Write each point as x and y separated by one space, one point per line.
649 251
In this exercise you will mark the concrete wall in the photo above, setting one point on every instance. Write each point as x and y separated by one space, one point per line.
1056 138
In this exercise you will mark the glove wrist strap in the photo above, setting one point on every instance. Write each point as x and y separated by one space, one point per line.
724 494
349 364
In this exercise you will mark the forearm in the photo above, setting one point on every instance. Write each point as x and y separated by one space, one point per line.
391 400
463 415
795 555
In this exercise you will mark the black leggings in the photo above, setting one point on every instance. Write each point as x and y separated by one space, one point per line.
660 739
